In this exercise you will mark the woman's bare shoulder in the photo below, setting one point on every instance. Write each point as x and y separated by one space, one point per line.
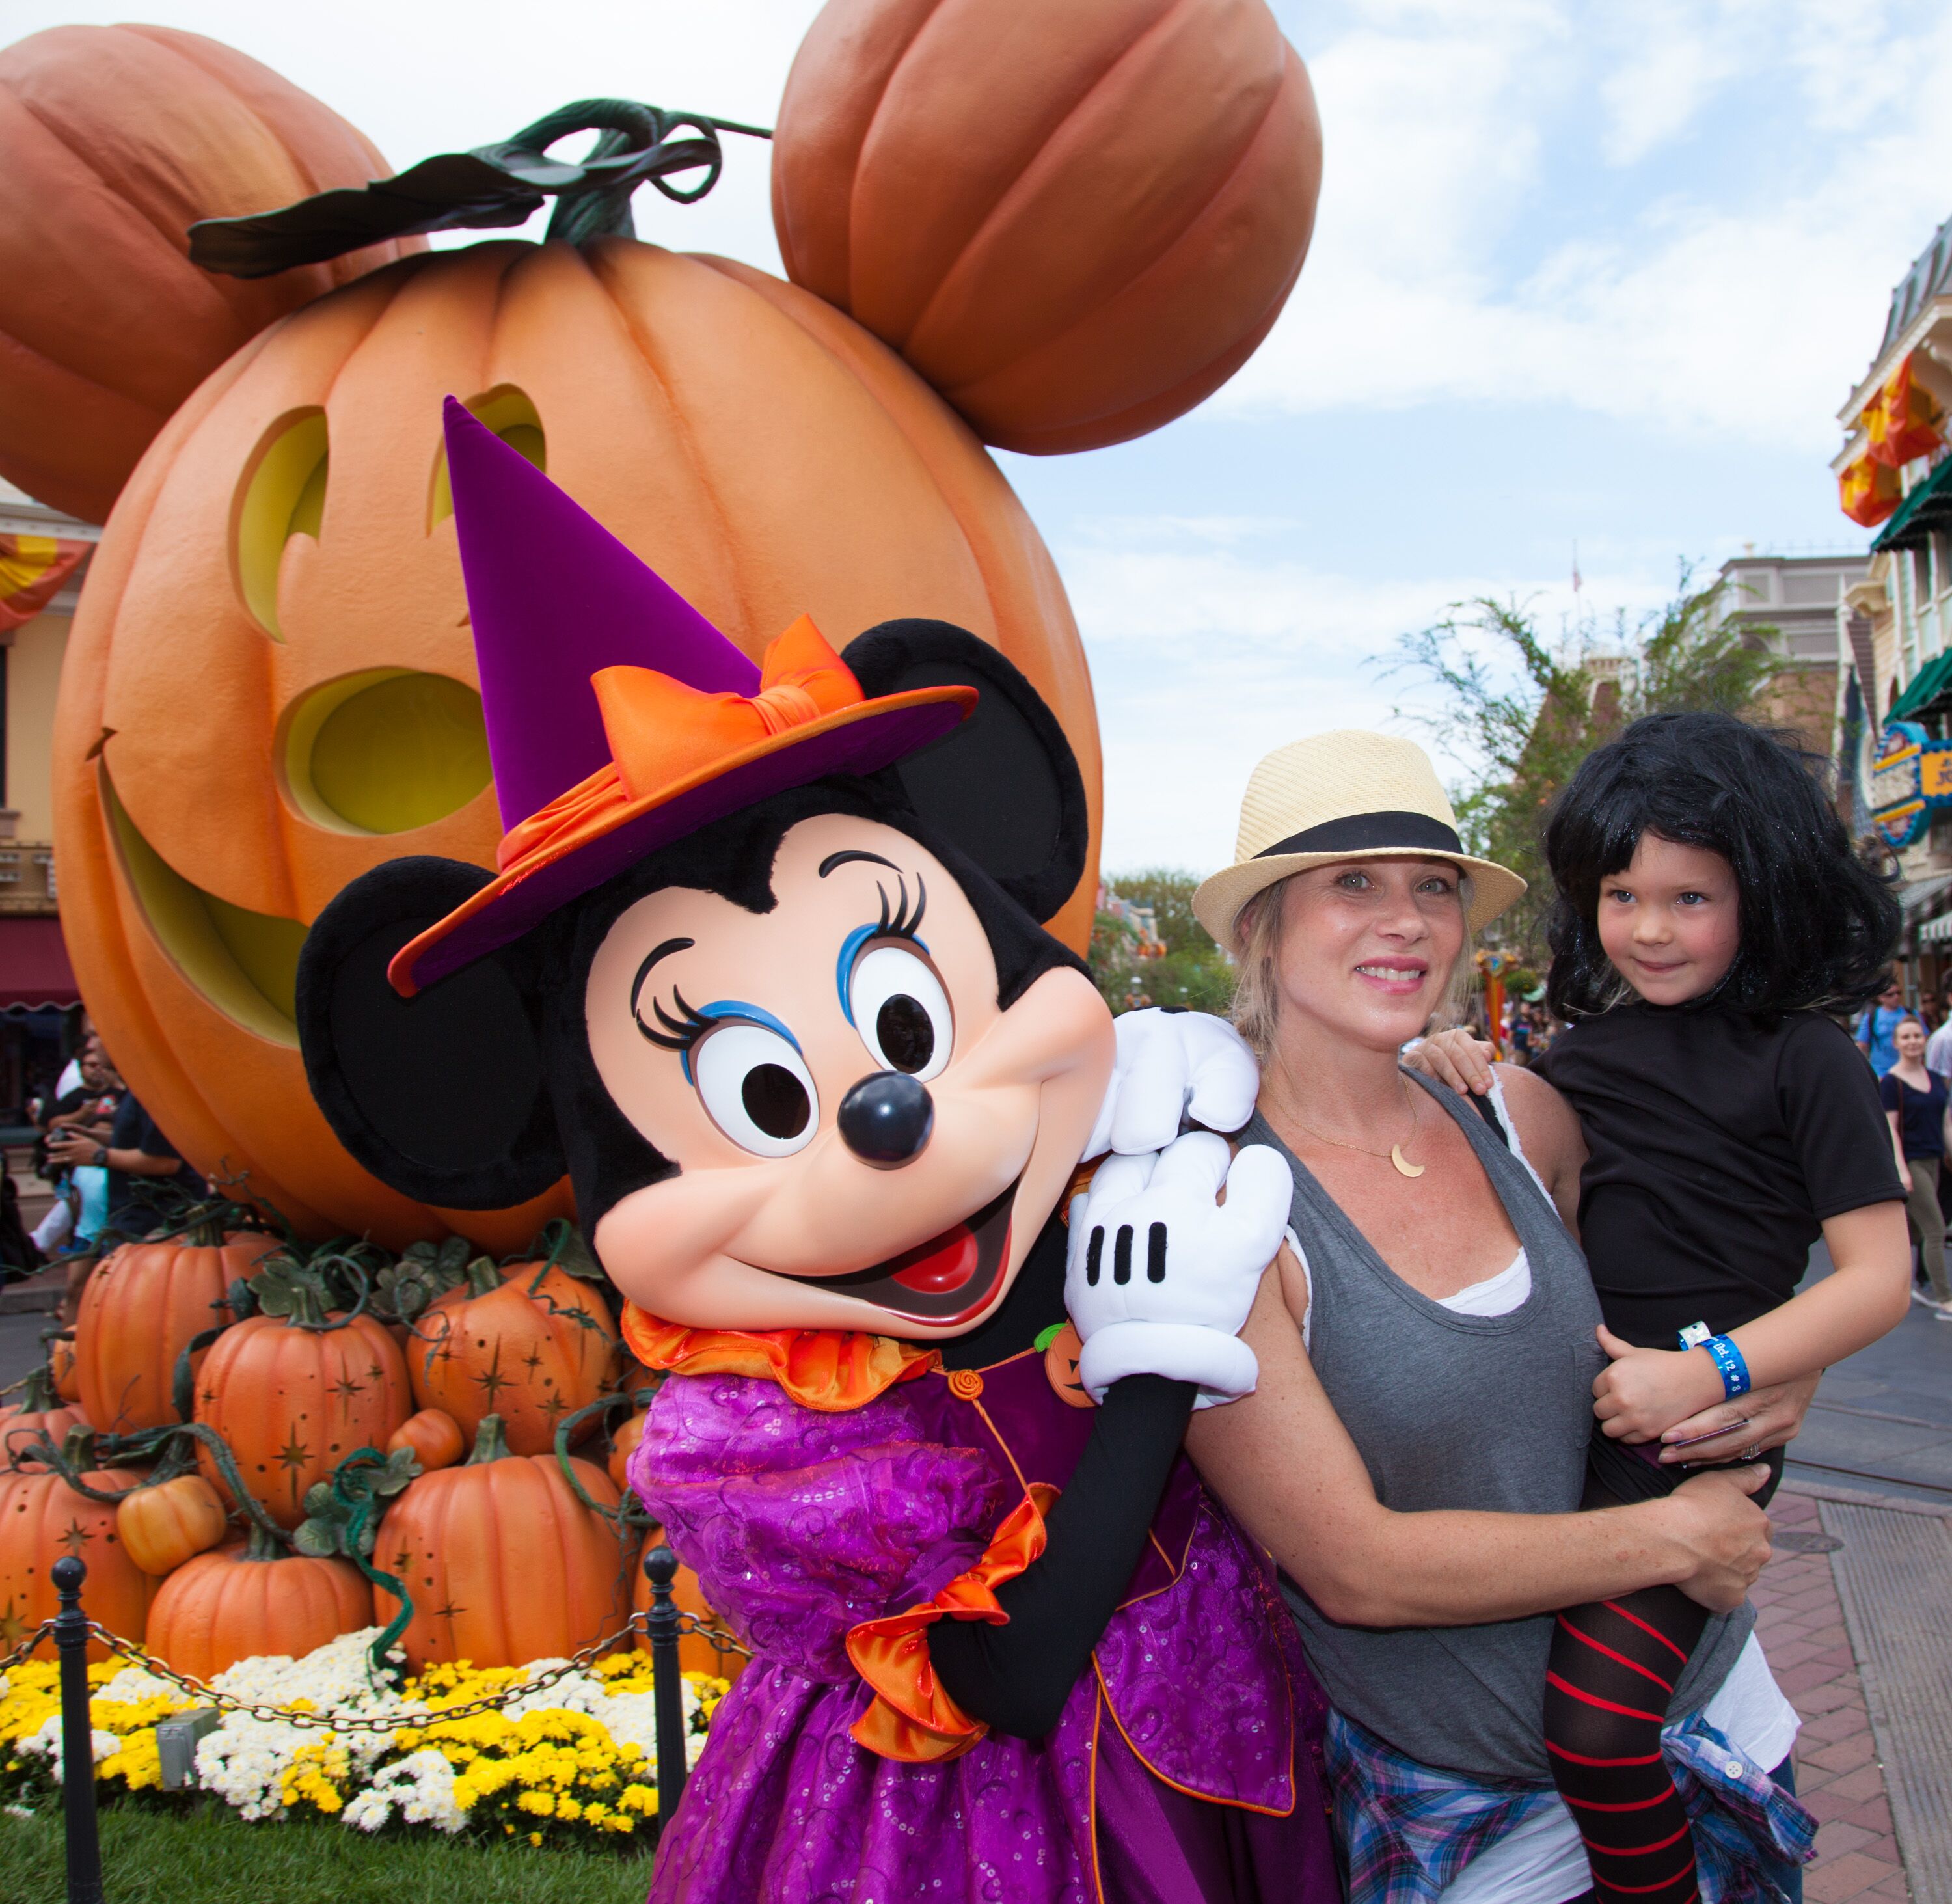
1547 1125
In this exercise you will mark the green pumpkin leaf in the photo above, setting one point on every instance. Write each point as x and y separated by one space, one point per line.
317 1539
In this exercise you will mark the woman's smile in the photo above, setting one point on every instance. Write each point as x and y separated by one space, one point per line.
1397 977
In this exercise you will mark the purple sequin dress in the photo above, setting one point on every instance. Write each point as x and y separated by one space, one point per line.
1184 1770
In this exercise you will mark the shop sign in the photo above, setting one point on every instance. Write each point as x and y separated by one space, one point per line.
1911 778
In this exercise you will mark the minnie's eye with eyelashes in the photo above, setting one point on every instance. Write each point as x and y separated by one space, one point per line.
901 1012
756 1088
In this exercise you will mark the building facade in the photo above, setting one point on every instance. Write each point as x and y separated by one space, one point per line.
1799 604
43 556
1895 703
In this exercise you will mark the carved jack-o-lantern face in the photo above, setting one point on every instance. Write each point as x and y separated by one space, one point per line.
270 687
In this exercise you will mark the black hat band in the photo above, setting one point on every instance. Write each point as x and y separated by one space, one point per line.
1366 832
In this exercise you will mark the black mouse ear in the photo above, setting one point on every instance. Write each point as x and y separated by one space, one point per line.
440 1096
1005 786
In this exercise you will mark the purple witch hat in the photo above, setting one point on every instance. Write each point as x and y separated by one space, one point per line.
619 719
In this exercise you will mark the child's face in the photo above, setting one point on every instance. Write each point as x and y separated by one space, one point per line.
1670 922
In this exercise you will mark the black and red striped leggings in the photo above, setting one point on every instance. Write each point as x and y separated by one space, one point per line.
1613 1669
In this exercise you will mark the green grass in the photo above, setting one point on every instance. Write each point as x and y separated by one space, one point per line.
212 1857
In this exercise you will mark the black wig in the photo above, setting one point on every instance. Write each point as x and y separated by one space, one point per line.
1818 925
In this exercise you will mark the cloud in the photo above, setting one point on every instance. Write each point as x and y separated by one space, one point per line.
1210 645
1456 257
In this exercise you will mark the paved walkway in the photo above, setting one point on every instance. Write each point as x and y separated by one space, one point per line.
1800 1622
1883 1419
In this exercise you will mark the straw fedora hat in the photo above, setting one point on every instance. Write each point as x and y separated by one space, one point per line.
1346 795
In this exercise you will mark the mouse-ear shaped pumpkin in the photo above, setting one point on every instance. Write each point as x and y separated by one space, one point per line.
1076 220
114 140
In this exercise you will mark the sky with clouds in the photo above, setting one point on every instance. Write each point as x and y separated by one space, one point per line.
1582 273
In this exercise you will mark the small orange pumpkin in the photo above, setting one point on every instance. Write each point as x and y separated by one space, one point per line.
113 141
502 1562
143 1303
531 1345
294 1396
1076 221
40 1410
433 1435
164 1526
250 1599
61 1365
41 1518
623 1444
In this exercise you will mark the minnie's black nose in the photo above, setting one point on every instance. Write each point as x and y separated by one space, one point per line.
885 1120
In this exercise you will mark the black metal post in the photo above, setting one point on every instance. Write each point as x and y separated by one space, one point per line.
667 1681
84 1845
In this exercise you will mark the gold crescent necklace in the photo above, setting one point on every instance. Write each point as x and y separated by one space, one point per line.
1402 1164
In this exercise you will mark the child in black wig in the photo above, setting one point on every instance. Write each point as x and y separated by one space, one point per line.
1710 913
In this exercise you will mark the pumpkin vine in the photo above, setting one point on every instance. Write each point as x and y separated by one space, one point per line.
504 183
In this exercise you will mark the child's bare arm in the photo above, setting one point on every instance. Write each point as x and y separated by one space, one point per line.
1647 1391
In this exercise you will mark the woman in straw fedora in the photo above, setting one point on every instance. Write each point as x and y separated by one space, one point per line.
1413 1456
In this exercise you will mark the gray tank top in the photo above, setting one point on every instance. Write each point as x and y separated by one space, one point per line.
1450 1410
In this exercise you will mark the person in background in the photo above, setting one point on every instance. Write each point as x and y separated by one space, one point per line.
147 1179
84 1116
1915 1099
73 1075
1938 1046
1878 1026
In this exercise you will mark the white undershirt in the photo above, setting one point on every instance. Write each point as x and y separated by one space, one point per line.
1541 1860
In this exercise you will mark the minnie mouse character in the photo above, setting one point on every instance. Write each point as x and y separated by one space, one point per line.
762 968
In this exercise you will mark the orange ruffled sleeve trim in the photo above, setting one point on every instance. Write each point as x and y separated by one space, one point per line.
912 1719
830 1371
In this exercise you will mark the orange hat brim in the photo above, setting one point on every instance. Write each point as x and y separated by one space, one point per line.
616 833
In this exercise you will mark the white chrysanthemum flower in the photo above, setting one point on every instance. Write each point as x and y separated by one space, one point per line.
420 1786
47 1743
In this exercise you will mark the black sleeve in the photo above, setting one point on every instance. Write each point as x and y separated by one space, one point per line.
1831 1106
151 1142
1887 1093
1016 1678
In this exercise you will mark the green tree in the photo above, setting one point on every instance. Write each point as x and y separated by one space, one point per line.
1193 972
1531 728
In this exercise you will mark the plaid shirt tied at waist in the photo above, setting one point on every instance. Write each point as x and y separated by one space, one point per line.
1405 1830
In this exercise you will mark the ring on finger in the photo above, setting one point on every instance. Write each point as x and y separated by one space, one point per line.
1752 1452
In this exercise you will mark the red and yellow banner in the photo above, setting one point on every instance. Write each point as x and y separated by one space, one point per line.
1868 491
31 570
1903 421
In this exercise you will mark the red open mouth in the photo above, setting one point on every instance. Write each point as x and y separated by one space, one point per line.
947 1279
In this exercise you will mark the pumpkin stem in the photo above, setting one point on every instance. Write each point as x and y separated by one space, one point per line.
261 1544
500 184
37 1396
307 1311
484 1278
490 1443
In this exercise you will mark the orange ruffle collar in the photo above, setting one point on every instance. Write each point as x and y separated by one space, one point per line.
830 1370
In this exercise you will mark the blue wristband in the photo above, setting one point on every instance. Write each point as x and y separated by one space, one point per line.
1729 1360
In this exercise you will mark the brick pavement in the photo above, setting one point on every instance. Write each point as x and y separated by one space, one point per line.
1838 1775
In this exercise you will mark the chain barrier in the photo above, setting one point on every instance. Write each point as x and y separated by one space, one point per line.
721 1640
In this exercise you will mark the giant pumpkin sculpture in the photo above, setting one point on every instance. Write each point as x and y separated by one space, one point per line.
270 687
275 630
112 140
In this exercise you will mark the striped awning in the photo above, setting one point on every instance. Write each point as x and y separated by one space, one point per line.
32 568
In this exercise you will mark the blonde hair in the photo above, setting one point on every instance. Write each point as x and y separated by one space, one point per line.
1256 1010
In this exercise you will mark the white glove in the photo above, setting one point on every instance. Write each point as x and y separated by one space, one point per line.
1160 1276
1170 1064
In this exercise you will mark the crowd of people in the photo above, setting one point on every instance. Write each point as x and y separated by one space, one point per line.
113 1171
